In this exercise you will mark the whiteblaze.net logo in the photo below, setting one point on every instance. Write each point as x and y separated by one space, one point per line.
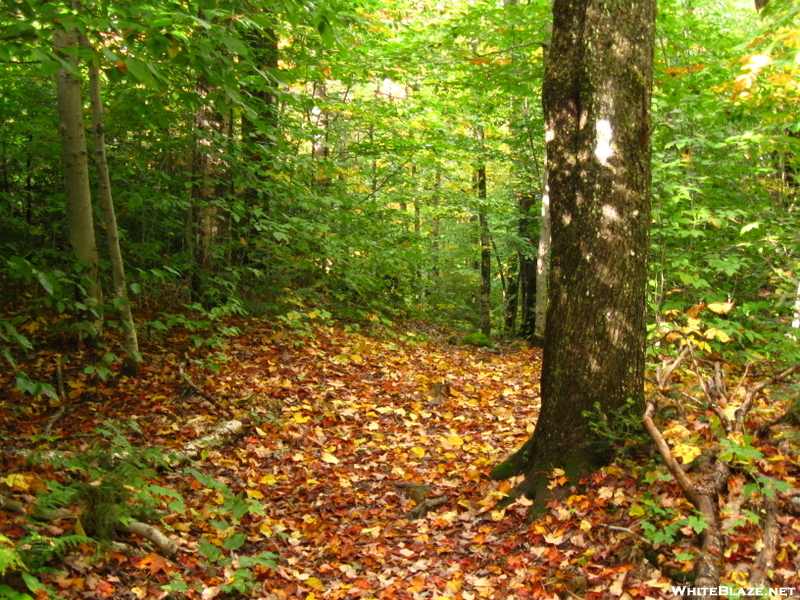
735 592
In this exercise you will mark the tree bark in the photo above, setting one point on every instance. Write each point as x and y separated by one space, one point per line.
210 183
542 264
596 97
486 253
527 268
80 221
131 342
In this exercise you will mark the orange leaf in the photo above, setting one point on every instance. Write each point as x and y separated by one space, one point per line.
156 563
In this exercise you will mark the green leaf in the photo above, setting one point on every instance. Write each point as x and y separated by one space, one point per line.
140 71
235 541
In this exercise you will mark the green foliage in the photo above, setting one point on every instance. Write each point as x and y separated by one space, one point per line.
37 550
739 453
7 593
10 560
623 429
477 339
109 483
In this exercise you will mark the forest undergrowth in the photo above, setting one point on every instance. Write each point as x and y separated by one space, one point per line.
358 468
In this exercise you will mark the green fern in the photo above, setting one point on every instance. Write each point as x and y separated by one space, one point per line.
37 550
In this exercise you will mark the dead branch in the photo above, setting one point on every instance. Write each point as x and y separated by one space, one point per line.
663 378
712 542
62 395
765 560
666 454
148 532
751 395
11 505
225 433
196 389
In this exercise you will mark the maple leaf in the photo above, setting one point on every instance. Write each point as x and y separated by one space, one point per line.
156 563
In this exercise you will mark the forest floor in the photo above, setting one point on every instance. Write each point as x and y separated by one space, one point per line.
363 469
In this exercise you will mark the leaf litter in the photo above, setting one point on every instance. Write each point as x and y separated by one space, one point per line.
347 434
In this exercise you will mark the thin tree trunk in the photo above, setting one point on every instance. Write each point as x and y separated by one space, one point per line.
512 296
542 263
80 221
527 269
435 232
208 186
486 255
131 342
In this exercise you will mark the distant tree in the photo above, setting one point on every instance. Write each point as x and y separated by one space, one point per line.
596 97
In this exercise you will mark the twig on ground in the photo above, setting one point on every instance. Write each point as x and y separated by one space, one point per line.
196 389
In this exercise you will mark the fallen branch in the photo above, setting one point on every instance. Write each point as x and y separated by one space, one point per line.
148 532
62 394
712 543
196 389
765 560
225 433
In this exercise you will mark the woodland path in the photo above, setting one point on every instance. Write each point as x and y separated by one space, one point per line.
369 457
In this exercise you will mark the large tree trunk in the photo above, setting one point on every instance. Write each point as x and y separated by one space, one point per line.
596 99
131 342
80 220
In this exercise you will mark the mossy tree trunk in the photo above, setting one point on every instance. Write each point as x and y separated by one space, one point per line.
596 97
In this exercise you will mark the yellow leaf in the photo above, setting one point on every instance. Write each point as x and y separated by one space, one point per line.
315 583
312 315
371 531
300 418
330 458
585 526
255 494
454 440
265 529
714 333
418 451
721 308
269 479
78 528
17 481
636 511
497 515
676 431
685 452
